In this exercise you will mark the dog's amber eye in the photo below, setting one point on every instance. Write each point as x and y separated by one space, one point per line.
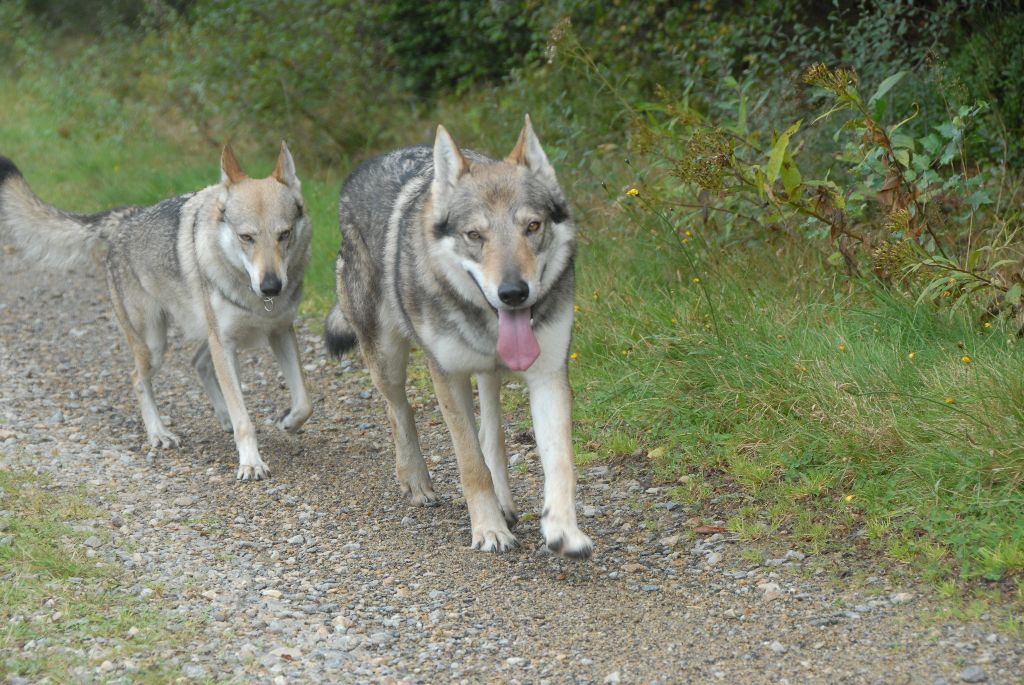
246 238
283 236
474 236
533 227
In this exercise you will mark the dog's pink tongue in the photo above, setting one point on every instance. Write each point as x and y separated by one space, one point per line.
517 345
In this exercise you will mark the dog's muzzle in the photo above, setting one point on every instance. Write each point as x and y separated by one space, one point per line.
270 285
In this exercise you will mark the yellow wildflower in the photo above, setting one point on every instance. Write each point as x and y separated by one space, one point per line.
911 356
849 498
842 347
696 279
965 359
632 192
987 324
574 356
949 400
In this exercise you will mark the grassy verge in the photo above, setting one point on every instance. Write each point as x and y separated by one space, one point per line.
836 419
61 615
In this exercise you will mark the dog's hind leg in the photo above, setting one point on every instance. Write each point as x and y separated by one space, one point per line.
286 350
145 329
551 408
492 442
386 356
455 395
203 363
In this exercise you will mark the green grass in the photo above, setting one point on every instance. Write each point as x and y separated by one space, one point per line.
51 591
837 413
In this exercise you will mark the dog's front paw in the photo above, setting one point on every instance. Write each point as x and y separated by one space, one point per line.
420 497
254 471
494 539
569 541
164 439
293 419
419 492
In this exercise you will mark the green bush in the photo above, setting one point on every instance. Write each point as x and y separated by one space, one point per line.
991 67
282 68
438 47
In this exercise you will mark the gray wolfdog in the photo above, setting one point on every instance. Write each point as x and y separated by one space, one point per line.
224 263
471 259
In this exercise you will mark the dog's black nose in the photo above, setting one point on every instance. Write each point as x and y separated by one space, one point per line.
514 292
270 285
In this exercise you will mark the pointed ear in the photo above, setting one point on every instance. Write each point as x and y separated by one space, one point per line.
529 153
284 171
230 172
449 165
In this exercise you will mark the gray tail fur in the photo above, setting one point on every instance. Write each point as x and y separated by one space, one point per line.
338 333
41 234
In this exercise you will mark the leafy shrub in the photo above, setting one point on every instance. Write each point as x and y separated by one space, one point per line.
991 65
20 36
440 47
912 206
693 48
341 78
280 67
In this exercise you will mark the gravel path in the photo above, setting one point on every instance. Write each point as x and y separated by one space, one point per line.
323 573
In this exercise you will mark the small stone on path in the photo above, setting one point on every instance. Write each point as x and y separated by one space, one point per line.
973 674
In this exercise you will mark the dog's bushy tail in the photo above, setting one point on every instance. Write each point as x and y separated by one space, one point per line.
338 333
43 235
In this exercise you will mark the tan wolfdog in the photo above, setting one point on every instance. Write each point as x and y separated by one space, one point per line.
225 264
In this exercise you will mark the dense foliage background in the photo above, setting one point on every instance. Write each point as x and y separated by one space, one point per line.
230 64
800 271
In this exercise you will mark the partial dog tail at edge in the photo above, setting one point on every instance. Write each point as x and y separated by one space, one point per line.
338 333
43 235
